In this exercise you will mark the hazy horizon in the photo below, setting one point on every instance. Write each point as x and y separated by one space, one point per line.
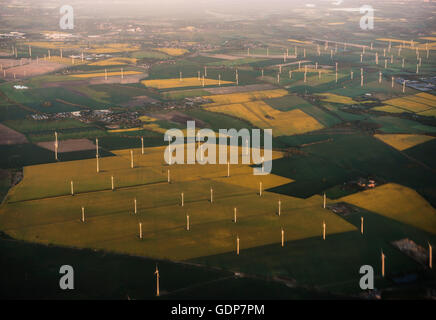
172 8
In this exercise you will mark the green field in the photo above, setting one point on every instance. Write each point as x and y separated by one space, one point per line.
50 100
12 112
149 54
397 125
135 273
425 152
26 154
217 121
28 126
333 265
346 157
43 130
237 62
287 103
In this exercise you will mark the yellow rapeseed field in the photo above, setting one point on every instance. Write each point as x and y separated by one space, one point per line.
413 103
429 113
237 110
294 122
425 46
251 181
407 104
396 40
428 38
55 45
124 130
390 109
334 98
261 115
146 126
112 225
147 119
185 82
427 96
312 70
153 127
403 141
172 51
114 62
102 74
422 103
425 101
245 96
299 41
396 202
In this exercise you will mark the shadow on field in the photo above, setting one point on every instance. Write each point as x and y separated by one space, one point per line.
332 266
31 271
